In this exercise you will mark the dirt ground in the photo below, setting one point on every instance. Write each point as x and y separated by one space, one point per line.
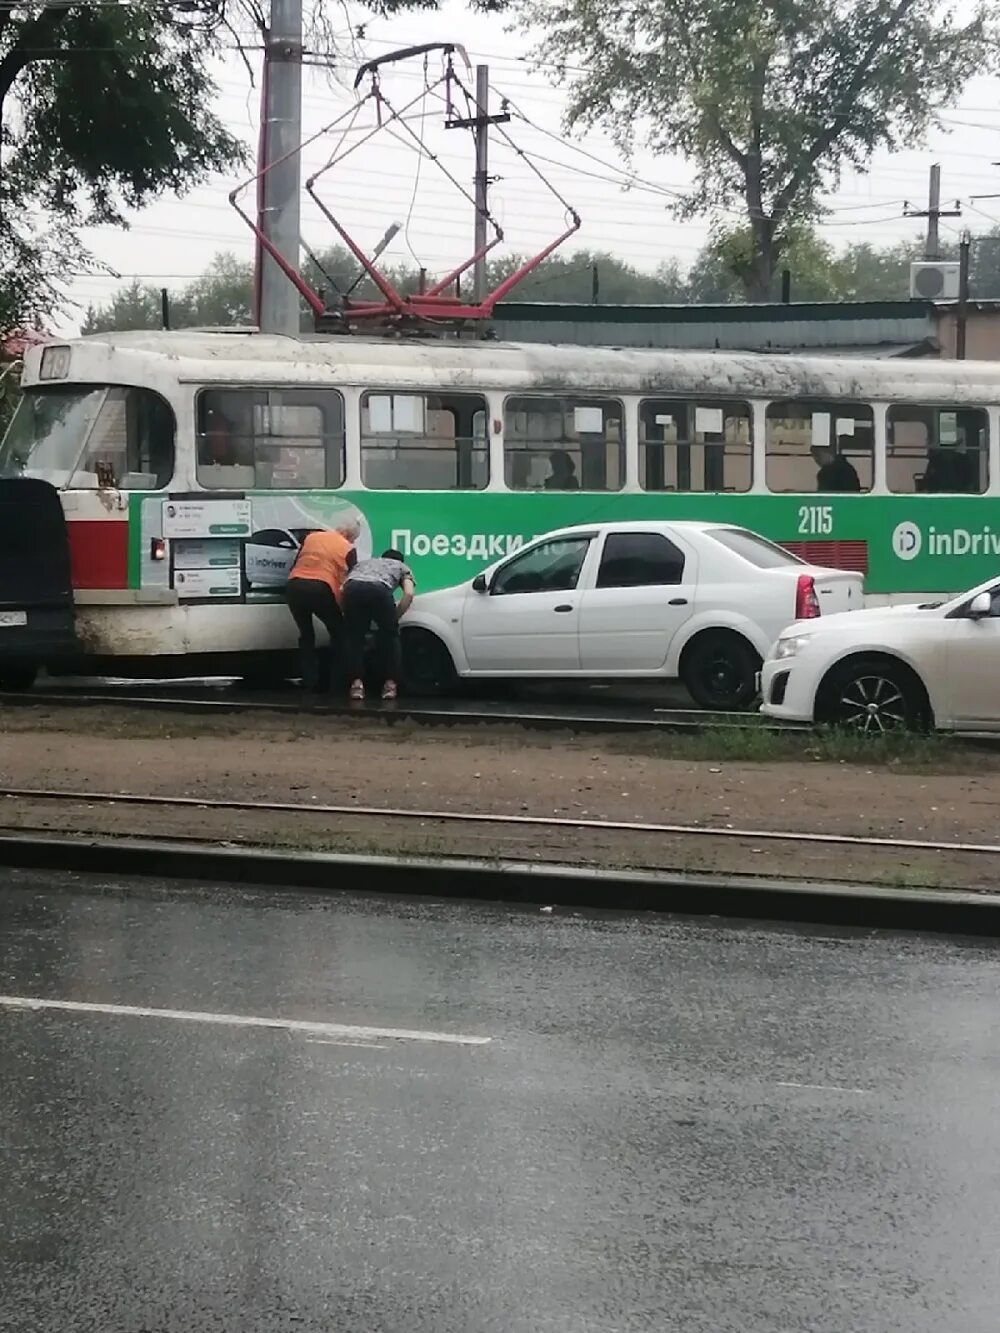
495 771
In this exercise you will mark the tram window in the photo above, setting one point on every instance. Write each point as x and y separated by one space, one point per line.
47 433
424 442
819 446
686 445
270 439
564 444
130 444
937 449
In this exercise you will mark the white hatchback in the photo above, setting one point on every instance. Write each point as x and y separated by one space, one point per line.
699 601
889 668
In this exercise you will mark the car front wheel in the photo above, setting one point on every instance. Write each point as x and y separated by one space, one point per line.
427 666
873 698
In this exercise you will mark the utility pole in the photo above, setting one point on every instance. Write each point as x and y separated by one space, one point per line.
933 213
962 318
281 135
480 125
482 176
932 246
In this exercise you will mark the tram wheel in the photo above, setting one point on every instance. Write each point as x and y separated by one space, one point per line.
427 666
719 669
17 676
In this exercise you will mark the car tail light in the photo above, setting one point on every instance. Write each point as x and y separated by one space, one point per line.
806 601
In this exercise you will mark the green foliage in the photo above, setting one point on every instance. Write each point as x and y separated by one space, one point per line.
861 272
769 102
104 108
223 294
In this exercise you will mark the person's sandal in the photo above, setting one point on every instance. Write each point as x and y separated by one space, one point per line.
389 690
357 691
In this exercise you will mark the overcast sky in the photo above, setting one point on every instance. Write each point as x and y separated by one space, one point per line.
175 240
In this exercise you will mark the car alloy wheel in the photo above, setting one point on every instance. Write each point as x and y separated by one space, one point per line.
873 704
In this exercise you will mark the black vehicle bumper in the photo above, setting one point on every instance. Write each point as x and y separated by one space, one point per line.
37 634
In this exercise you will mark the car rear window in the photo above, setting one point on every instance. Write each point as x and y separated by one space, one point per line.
754 549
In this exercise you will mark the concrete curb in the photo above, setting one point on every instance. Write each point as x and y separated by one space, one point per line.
943 910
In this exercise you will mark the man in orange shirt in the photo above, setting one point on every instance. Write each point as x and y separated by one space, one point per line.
313 590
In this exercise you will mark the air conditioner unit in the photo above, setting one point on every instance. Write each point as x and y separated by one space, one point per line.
936 281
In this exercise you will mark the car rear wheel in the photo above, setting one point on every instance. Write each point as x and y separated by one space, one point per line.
427 666
720 671
873 698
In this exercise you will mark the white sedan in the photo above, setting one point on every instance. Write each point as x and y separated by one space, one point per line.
889 668
699 601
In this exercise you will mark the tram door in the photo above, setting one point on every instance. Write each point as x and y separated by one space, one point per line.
36 590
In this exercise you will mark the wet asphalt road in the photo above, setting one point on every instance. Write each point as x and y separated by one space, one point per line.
674 1126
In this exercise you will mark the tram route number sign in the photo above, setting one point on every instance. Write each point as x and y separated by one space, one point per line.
207 518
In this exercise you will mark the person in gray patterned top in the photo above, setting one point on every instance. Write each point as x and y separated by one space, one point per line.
369 594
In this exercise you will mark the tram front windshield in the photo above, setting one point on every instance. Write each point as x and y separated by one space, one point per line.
48 432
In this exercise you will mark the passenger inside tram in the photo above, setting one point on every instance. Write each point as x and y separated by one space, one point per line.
218 447
948 469
563 476
836 472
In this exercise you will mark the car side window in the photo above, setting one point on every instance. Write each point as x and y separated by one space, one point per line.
273 537
640 560
552 566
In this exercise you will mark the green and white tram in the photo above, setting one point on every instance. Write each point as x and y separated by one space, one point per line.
154 487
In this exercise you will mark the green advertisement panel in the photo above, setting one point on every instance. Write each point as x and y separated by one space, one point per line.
904 544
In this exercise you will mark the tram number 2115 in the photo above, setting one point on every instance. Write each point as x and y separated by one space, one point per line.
815 520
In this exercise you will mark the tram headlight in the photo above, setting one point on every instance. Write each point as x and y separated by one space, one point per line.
54 364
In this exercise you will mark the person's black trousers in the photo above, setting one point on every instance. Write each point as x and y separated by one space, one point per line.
308 598
364 603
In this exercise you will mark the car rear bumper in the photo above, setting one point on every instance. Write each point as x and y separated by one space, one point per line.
37 634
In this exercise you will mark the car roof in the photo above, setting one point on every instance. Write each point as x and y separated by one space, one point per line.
638 525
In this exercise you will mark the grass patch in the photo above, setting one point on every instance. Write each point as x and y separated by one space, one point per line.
756 745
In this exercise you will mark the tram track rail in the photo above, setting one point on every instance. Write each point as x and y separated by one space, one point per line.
467 818
539 717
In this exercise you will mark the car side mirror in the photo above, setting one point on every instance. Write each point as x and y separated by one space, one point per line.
980 606
479 583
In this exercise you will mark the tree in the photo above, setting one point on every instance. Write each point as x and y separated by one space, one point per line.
222 295
812 262
571 278
867 273
102 108
768 101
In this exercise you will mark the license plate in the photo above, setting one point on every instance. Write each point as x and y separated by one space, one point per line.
11 619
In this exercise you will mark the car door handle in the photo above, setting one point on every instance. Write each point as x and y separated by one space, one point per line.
678 601
564 607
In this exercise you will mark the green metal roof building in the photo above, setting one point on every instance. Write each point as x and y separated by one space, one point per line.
861 328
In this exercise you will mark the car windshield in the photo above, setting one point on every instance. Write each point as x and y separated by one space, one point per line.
47 433
753 548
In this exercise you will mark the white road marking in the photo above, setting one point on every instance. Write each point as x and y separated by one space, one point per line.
825 1087
333 1041
245 1021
